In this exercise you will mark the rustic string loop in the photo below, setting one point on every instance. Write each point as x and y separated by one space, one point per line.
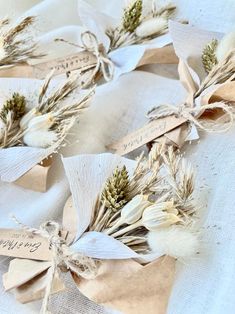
63 258
91 44
192 115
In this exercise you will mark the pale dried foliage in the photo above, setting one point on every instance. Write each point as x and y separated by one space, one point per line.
16 43
222 72
60 113
163 177
134 18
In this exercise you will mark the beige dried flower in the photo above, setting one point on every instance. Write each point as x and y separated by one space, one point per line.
226 44
114 195
209 58
160 215
51 117
153 26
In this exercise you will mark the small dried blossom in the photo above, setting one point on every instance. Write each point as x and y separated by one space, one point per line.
132 16
209 58
50 120
116 189
15 106
139 27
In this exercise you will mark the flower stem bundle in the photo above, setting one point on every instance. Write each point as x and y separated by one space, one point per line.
158 195
48 122
139 27
16 44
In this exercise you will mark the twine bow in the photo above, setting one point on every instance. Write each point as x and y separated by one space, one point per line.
104 64
63 258
192 115
91 44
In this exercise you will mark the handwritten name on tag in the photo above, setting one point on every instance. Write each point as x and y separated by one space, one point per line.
146 134
21 244
82 59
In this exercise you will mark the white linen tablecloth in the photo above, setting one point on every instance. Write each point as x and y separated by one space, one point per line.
204 285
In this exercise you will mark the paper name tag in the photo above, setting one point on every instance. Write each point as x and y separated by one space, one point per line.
22 244
146 134
73 62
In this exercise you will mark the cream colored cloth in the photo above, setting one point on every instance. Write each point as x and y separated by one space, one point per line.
204 285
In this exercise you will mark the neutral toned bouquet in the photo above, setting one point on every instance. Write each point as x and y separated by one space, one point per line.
206 70
140 32
105 47
128 222
34 126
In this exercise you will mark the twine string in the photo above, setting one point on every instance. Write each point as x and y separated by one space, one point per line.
63 258
192 115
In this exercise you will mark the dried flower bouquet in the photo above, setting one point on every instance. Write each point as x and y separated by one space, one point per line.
157 196
208 80
130 219
31 128
141 27
16 44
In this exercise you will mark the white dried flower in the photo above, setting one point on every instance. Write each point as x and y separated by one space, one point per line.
40 138
133 210
24 122
151 27
225 46
160 215
38 133
175 241
43 122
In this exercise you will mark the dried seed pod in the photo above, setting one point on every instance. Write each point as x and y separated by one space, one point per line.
132 16
116 188
16 105
209 58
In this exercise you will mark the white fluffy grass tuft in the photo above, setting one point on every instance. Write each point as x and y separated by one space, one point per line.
225 46
175 241
39 138
151 27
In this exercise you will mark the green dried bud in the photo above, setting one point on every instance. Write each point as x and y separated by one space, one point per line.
16 105
132 16
116 190
209 59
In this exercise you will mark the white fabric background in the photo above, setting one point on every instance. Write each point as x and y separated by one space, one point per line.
204 285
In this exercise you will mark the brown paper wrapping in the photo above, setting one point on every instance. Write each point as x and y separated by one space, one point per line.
164 55
131 288
124 285
36 178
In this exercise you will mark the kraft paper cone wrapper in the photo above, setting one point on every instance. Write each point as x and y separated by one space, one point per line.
36 178
31 287
130 287
164 55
